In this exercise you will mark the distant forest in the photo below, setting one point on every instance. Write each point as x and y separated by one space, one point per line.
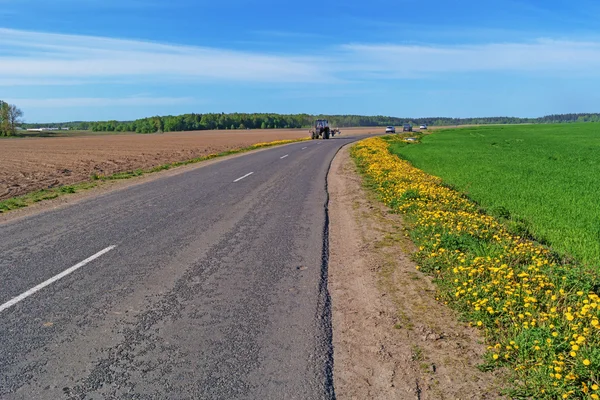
191 122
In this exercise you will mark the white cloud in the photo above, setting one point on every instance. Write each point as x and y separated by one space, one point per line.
56 57
562 58
34 58
17 81
73 102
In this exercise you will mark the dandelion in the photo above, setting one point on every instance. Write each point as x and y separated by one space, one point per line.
569 316
518 283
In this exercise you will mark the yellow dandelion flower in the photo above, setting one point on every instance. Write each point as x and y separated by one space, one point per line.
569 317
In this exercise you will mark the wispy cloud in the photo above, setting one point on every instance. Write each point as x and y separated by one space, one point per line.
328 93
73 102
34 58
46 56
562 58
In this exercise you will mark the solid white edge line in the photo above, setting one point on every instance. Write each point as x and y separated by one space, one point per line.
242 177
55 278
284 156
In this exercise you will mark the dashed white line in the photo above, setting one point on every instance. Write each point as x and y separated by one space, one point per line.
284 156
55 278
304 148
242 177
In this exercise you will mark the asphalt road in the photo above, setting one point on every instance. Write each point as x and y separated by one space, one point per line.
216 287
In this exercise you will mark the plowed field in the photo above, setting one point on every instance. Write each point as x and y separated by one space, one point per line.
29 164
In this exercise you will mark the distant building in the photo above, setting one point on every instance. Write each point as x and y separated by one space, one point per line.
42 129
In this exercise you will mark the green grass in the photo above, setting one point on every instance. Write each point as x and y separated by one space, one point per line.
543 180
44 194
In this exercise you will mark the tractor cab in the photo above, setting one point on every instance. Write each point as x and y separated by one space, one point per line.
322 123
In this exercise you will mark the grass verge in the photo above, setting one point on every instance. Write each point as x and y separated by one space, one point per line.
43 194
540 316
48 194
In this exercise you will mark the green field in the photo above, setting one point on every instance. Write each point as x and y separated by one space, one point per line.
543 179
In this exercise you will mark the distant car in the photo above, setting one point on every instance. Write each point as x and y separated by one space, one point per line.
407 128
390 129
423 127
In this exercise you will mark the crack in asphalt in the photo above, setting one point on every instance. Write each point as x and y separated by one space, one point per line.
324 303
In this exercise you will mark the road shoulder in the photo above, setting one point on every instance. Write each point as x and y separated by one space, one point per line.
391 338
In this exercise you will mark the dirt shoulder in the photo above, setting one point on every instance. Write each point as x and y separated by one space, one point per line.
391 338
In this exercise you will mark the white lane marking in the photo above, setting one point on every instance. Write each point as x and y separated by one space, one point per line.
50 281
304 148
242 177
284 156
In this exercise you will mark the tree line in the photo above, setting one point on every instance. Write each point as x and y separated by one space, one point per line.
10 118
191 122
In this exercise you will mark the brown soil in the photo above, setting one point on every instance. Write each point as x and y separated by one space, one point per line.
109 186
30 164
392 339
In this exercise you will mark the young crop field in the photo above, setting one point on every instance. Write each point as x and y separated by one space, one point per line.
543 180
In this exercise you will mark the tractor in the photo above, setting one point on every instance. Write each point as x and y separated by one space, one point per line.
321 129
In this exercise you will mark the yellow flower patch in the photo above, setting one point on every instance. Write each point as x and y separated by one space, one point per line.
544 314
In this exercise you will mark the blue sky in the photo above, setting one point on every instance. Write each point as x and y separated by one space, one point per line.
66 60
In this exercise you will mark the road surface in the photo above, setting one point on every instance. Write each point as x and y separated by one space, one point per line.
210 284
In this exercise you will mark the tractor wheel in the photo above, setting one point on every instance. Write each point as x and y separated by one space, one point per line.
326 134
